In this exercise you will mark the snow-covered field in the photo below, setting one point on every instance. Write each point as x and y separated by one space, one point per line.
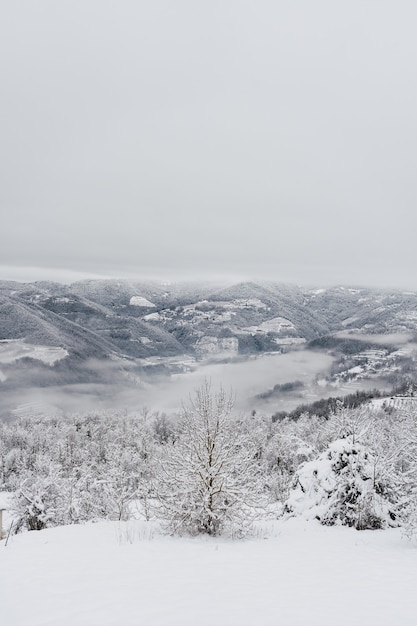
12 350
292 572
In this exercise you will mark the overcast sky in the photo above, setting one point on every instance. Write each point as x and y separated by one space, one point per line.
186 138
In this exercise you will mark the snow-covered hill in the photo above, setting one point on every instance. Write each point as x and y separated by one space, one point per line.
122 335
292 572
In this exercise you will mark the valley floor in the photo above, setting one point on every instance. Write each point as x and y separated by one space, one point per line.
292 572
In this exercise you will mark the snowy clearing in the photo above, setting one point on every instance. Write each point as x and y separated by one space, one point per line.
12 350
275 325
294 572
141 301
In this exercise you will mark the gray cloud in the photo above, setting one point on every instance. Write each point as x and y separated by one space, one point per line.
268 138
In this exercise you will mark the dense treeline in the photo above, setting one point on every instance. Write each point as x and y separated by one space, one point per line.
210 471
325 407
345 345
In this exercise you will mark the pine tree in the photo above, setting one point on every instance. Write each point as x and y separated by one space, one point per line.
343 486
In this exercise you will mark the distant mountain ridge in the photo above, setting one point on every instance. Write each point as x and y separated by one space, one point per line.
133 323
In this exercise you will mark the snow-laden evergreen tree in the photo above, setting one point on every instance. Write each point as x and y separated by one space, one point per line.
343 486
208 480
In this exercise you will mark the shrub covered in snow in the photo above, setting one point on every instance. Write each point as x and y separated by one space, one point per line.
342 486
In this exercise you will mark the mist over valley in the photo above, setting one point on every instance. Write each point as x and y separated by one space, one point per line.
117 344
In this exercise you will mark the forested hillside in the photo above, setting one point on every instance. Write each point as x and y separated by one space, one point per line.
114 335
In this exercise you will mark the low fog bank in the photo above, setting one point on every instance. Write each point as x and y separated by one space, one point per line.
166 393
247 380
265 383
252 377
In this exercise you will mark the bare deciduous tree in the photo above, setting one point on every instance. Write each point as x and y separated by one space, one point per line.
208 479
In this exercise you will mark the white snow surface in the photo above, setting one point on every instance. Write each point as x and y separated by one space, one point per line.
141 301
292 572
274 325
12 350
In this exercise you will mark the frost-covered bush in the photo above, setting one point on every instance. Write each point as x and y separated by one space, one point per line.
77 469
283 455
42 500
342 486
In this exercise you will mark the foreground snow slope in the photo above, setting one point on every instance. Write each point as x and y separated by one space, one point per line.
302 573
